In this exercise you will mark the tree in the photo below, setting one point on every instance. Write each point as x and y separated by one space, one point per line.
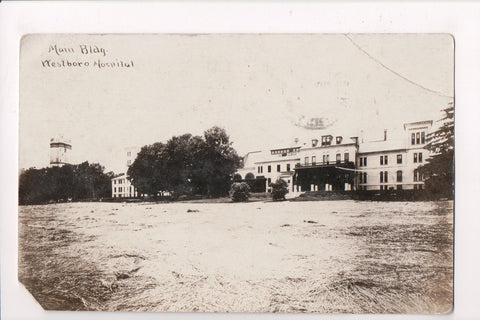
249 176
220 161
237 177
186 164
147 172
439 172
240 191
279 189
69 182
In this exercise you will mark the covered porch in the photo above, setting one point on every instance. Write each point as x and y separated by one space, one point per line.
324 177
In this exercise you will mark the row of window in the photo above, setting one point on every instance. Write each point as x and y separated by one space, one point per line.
384 176
326 158
290 151
417 157
399 187
121 189
269 168
418 138
417 176
120 181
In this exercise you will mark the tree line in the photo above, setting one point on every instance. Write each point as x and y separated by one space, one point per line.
66 183
186 165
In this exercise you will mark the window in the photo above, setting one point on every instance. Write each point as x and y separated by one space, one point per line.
365 161
326 140
269 168
420 156
288 166
360 178
119 189
278 168
385 175
129 162
415 157
324 159
314 142
328 159
269 180
423 137
129 154
381 176
339 157
114 181
314 160
417 176
399 158
413 138
115 189
383 160
306 160
399 176
346 157
260 169
363 177
418 138
339 139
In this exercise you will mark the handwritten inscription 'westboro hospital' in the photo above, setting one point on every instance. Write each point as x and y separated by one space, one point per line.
89 51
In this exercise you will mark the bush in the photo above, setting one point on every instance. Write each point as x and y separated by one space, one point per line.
279 189
240 192
250 176
237 177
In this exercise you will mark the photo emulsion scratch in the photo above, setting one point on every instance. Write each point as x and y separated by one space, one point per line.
291 173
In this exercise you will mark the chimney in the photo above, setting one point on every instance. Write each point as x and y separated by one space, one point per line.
385 134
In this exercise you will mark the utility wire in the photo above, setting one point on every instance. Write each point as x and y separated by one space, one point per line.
393 71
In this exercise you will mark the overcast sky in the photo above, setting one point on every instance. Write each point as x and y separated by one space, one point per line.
257 87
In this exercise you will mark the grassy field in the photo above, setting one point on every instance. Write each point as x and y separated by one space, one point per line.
332 256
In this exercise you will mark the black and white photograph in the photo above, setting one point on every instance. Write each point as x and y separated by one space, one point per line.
235 172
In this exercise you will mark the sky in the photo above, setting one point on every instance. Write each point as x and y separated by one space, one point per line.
260 88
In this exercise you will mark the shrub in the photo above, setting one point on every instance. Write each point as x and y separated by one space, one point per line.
237 177
240 191
250 176
279 189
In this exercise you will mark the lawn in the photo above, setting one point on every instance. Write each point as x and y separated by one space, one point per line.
327 256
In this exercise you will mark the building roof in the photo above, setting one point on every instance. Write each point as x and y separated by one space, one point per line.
381 146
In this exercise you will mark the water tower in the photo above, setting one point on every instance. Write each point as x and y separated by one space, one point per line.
60 149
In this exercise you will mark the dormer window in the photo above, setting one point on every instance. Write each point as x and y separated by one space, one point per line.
314 142
339 139
326 140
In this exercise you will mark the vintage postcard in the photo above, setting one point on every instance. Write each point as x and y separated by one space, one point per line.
292 173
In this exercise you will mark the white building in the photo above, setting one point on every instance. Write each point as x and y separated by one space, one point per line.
331 162
121 186
393 164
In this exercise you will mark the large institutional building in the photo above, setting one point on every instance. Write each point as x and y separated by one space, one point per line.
121 186
332 162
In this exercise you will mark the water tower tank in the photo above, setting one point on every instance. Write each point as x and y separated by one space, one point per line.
60 149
